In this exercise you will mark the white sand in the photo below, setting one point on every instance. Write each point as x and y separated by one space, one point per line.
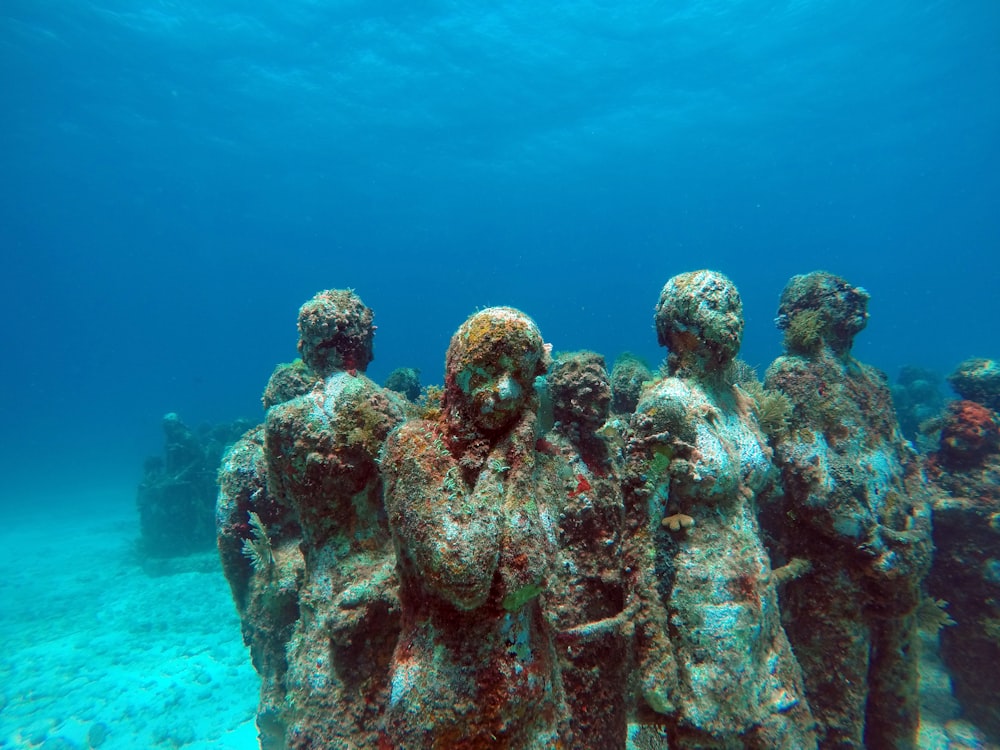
92 644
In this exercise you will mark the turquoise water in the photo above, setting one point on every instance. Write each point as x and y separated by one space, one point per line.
179 176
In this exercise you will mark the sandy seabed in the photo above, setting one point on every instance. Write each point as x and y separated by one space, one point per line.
99 648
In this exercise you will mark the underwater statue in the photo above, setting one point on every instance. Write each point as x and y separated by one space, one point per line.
855 512
327 616
469 578
474 665
628 375
584 599
715 666
966 570
259 539
176 497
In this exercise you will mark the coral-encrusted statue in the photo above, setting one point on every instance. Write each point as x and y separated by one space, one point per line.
978 380
258 539
966 570
322 451
176 497
474 666
628 374
580 484
699 462
969 433
322 612
855 508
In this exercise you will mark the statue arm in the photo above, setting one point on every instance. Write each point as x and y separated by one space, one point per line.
450 536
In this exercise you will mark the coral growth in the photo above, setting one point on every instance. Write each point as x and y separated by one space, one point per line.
978 380
335 332
820 309
258 549
580 394
773 407
289 379
932 615
699 318
970 432
677 521
629 374
804 333
580 390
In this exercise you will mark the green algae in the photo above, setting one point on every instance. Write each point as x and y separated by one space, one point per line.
517 599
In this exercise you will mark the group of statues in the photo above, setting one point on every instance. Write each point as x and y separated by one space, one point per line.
720 564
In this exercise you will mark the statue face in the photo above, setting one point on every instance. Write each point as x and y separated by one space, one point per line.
491 366
496 391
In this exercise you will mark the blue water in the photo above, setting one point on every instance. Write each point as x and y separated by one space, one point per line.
179 176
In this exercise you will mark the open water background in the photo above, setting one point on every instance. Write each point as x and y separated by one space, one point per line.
178 176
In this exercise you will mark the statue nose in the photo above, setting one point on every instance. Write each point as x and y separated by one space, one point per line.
507 388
